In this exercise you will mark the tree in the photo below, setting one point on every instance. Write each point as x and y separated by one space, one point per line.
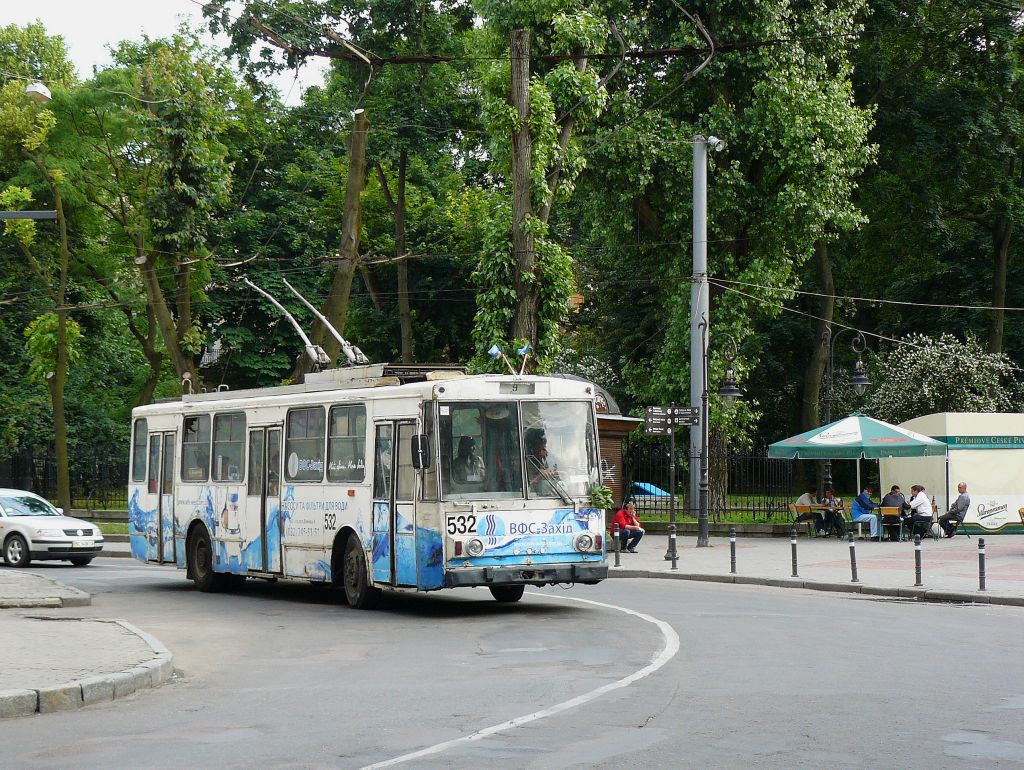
925 374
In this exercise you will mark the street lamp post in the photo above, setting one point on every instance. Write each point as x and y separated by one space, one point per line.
728 390
859 381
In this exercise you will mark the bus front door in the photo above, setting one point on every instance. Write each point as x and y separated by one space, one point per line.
160 541
262 552
394 512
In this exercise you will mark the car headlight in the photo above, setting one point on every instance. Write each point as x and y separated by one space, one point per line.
584 542
49 533
475 547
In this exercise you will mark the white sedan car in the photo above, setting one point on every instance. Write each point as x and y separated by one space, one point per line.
31 528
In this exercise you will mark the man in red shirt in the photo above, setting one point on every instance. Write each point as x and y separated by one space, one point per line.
630 529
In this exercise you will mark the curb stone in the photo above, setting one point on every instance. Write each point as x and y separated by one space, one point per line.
76 597
93 689
920 594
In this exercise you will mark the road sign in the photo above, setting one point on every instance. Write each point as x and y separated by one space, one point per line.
662 419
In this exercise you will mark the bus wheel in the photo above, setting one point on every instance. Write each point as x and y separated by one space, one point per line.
200 557
359 594
507 594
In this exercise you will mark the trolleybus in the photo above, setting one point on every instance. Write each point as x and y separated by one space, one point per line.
373 478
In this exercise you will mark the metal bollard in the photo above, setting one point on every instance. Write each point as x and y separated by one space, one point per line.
792 544
732 550
615 537
917 561
981 564
853 558
672 545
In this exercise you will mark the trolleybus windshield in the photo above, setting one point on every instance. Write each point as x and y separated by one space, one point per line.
483 448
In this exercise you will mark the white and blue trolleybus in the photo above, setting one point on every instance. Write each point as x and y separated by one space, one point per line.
373 477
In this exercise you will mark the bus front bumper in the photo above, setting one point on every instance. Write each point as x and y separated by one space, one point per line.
540 574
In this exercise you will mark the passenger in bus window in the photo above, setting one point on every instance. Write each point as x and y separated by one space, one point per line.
468 466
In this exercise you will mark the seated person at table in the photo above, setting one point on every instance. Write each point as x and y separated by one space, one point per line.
807 499
894 499
834 522
862 508
950 521
920 511
631 531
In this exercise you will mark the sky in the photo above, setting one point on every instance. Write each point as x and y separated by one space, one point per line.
89 26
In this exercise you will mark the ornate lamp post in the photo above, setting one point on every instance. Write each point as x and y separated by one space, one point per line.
859 382
730 391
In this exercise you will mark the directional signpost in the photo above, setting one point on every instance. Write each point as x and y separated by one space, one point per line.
659 421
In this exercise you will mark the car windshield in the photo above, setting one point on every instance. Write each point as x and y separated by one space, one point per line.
482 449
27 505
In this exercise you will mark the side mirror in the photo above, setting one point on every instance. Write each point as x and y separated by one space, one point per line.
420 451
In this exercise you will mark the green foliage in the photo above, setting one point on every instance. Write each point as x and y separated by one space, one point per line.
601 497
43 335
925 374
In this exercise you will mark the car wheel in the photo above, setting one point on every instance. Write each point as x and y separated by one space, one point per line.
507 594
16 553
359 594
200 557
81 561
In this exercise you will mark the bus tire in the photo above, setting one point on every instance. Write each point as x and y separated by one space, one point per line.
507 594
359 594
200 562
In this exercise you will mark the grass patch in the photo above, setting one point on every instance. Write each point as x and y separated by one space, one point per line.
113 527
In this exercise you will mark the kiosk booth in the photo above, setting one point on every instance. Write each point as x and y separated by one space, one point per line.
984 450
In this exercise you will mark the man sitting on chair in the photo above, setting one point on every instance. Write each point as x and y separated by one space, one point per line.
920 511
950 521
861 511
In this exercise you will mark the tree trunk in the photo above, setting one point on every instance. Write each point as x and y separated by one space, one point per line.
404 306
60 427
1001 240
525 321
335 306
165 320
810 417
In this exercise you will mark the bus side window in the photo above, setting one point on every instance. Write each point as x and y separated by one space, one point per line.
153 483
195 448
346 444
139 441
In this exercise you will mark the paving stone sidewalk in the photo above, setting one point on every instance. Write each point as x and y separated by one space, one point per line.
949 566
52 663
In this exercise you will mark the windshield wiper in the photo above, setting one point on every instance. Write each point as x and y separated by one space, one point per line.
552 481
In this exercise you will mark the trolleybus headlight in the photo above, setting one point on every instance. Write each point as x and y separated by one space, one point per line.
584 542
474 547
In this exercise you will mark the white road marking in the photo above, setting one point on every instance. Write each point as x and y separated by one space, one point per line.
668 651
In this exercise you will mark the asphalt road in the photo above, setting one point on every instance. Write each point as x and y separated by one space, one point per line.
286 676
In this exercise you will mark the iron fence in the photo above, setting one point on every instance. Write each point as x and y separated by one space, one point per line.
744 486
97 482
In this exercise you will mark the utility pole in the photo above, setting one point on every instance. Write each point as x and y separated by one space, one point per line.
699 307
524 323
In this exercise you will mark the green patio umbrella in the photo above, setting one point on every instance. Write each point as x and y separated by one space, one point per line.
854 437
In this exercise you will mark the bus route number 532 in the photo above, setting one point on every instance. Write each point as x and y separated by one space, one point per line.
462 525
